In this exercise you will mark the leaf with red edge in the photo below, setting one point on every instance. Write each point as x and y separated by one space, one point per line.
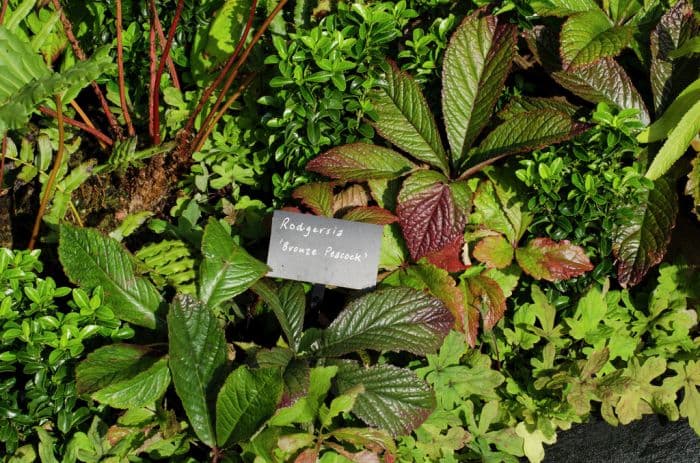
669 76
495 251
427 214
360 161
307 456
486 295
437 282
476 64
370 214
453 257
526 132
544 258
642 234
603 80
316 196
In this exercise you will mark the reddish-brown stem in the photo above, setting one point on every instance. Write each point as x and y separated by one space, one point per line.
161 68
85 119
161 40
120 70
91 130
215 113
206 129
481 166
227 67
68 29
2 159
152 82
3 10
52 177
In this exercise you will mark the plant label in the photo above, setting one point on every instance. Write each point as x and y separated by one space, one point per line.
321 250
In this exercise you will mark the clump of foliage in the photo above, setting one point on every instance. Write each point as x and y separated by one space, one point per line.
44 335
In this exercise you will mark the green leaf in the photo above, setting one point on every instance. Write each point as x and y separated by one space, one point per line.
683 103
404 119
606 81
526 132
667 74
361 162
394 399
520 105
227 269
638 396
90 259
590 311
197 349
429 217
494 251
533 438
499 208
316 196
288 303
391 319
562 7
544 258
246 400
212 47
591 35
143 389
689 47
477 61
678 142
370 214
393 252
437 281
112 364
305 410
687 378
27 81
641 235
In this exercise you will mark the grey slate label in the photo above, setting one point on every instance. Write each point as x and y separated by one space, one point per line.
321 250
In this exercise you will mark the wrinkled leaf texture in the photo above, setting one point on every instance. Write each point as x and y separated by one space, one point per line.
91 259
394 399
360 162
391 319
641 236
197 349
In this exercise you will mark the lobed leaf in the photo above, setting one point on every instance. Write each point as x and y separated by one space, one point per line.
641 237
546 259
391 319
394 399
603 80
404 119
246 400
227 269
476 64
428 214
91 259
591 35
360 162
197 349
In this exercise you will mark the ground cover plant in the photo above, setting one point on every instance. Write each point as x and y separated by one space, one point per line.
535 167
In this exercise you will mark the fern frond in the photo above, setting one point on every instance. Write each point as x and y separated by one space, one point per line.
169 263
